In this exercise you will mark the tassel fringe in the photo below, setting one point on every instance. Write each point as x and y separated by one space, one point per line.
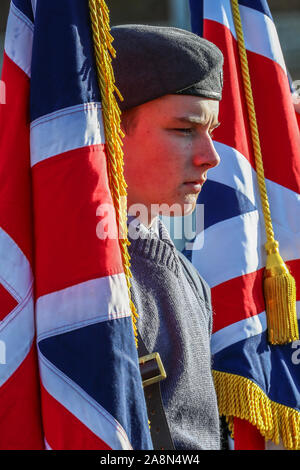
104 52
241 398
280 298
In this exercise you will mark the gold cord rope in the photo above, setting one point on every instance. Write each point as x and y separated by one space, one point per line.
279 285
104 52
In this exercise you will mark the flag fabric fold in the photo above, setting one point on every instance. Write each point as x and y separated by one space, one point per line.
70 378
255 381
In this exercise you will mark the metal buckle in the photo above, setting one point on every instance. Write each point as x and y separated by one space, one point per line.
162 373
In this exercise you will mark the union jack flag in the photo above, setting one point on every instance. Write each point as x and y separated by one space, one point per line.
69 374
258 384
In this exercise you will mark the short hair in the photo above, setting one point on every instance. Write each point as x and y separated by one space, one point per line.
129 119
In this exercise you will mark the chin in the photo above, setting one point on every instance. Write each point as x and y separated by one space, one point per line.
189 204
189 208
177 207
181 209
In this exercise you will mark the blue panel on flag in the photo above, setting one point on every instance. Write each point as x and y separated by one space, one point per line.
62 72
196 7
266 365
221 202
102 360
260 5
25 7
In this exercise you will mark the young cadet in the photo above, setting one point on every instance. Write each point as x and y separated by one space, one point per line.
171 82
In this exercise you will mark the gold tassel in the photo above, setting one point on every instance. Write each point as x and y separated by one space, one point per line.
279 285
280 298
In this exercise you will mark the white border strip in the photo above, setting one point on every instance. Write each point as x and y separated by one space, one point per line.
241 330
33 4
19 39
261 35
81 405
235 171
67 129
238 242
15 271
237 245
90 302
259 30
47 447
238 331
17 332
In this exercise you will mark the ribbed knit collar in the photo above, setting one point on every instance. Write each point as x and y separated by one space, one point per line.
160 249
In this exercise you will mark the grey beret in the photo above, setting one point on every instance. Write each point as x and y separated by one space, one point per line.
153 61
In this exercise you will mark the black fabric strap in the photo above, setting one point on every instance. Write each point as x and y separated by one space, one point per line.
160 433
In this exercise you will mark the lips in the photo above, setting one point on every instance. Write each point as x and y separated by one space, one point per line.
194 186
195 182
200 182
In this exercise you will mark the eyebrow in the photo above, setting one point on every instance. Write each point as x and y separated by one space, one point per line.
196 120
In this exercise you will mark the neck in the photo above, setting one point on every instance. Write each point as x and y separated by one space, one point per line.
147 221
145 216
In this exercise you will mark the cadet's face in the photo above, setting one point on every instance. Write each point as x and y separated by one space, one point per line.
169 151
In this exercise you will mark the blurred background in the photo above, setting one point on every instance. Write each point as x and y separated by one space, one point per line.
286 14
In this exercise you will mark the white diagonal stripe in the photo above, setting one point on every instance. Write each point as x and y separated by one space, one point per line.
240 331
237 243
17 333
81 405
15 271
235 171
19 39
66 125
33 4
259 30
89 302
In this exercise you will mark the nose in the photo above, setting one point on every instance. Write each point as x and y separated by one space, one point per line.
205 153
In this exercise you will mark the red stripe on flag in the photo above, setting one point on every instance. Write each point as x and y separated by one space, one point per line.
280 138
294 267
20 414
242 297
237 299
64 431
68 192
234 130
246 436
7 302
15 179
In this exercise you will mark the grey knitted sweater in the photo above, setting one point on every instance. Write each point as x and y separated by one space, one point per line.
176 322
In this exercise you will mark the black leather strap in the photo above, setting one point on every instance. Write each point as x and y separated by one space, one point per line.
160 433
